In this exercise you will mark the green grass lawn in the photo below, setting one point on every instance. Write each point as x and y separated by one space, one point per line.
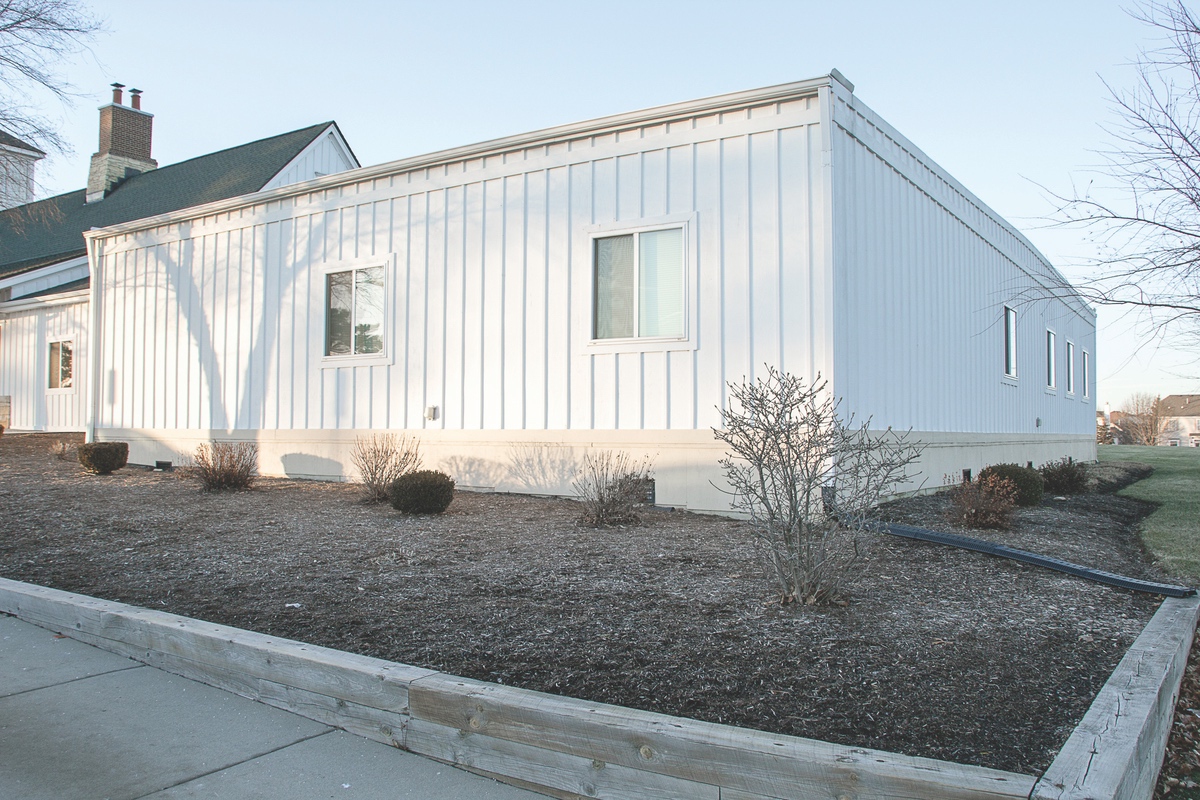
1173 531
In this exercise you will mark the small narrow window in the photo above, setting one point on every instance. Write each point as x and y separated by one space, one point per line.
638 285
1050 371
354 302
1087 374
60 365
1070 368
1010 342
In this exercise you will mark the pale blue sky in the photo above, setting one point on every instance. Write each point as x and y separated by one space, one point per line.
1005 96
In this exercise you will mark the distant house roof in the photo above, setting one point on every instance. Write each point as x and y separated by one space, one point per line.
49 231
9 140
1181 405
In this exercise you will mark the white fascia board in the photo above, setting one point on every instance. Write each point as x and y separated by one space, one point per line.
43 272
33 155
545 136
27 303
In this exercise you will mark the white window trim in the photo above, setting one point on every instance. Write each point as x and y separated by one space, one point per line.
1070 373
383 358
656 344
1087 375
1050 344
1010 343
74 359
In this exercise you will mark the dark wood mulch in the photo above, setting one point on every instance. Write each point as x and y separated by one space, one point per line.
941 652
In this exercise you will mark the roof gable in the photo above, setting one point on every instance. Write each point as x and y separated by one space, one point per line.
50 230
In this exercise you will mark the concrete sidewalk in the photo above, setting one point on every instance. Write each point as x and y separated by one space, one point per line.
77 722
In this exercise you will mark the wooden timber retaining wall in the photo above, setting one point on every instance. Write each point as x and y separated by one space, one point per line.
1117 750
566 748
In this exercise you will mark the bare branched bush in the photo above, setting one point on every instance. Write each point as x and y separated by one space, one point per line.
611 486
988 502
226 465
381 460
808 480
63 451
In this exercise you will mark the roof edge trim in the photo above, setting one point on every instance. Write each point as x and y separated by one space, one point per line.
779 92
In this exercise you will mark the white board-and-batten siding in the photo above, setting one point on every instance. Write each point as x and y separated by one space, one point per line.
218 324
25 337
213 325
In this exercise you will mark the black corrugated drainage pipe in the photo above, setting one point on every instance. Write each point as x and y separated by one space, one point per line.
979 545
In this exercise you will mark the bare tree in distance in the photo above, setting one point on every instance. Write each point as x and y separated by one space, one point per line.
1143 418
1149 240
808 480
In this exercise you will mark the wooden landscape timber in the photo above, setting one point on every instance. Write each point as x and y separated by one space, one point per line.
1117 750
572 748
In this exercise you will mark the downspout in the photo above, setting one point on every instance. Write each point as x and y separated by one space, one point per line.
94 251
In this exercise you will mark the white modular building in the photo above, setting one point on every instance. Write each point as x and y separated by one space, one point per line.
515 303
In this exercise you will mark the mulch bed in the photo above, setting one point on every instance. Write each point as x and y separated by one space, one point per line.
940 652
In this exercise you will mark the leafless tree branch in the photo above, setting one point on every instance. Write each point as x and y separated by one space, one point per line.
36 38
1149 243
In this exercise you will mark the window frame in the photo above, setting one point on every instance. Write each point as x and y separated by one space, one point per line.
1070 373
385 356
1087 374
643 344
1051 360
60 389
1010 342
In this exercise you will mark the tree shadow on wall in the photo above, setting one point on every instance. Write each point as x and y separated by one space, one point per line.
543 468
305 465
470 472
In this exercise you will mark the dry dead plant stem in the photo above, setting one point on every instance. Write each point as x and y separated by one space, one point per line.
381 459
227 465
611 486
808 481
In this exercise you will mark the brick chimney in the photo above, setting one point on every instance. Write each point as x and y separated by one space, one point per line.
124 144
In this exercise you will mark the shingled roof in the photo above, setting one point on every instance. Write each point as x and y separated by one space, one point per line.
1181 405
49 231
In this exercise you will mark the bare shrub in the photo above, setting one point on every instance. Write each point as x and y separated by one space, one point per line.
611 486
63 451
988 502
808 480
381 460
226 465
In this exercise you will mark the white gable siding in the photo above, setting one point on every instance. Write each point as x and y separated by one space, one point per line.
326 155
